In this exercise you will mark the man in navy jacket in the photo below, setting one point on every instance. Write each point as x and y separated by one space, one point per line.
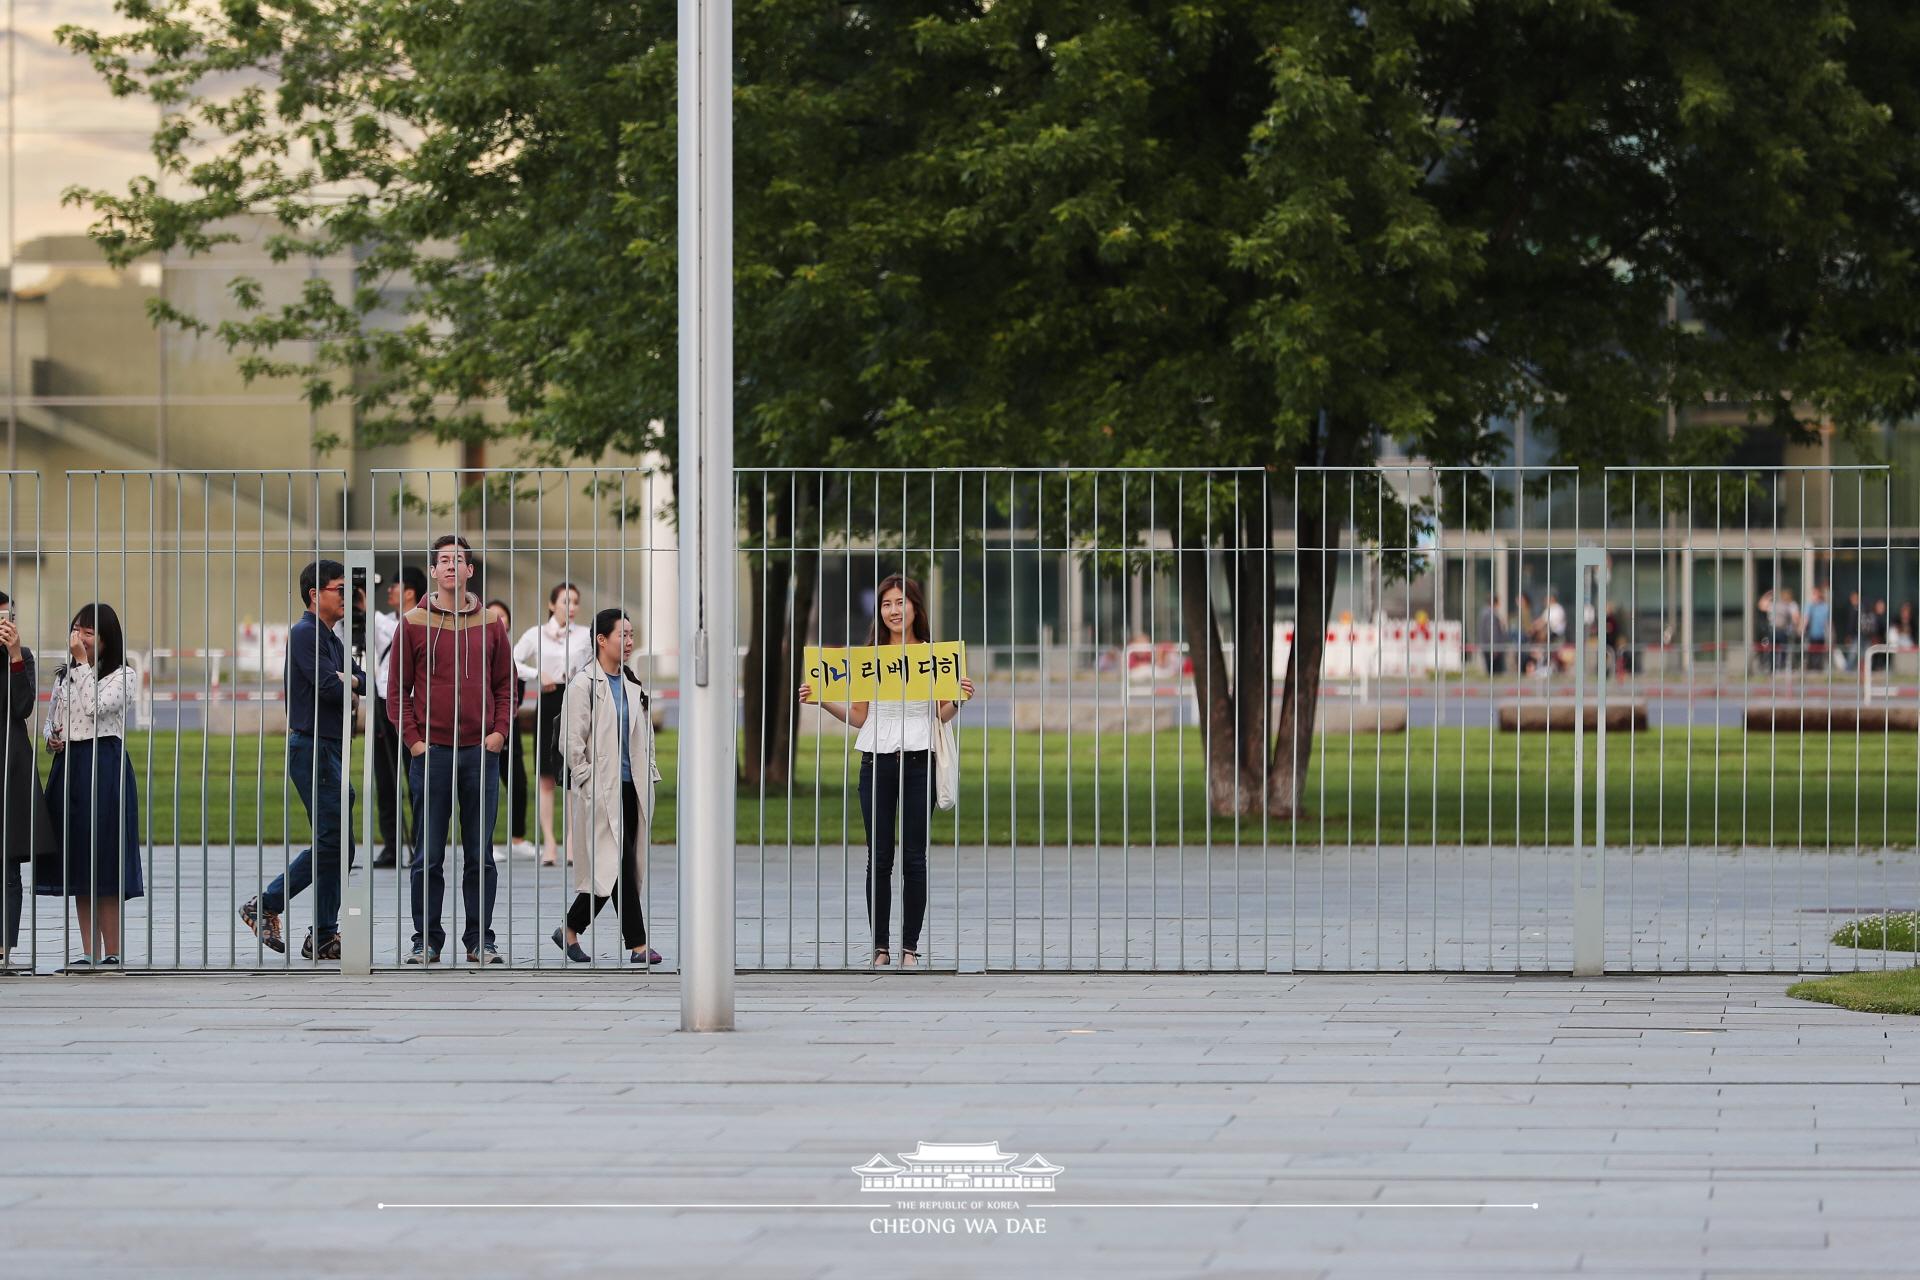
317 677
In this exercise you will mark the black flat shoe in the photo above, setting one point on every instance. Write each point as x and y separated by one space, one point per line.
571 950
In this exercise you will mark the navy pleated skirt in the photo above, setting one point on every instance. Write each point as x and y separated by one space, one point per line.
95 809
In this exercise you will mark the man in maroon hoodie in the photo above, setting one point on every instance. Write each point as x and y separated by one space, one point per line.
450 693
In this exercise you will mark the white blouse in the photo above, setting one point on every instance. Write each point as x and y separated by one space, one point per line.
549 653
896 726
86 707
385 628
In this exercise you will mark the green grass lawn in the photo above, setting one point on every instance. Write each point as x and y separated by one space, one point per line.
1453 786
1884 991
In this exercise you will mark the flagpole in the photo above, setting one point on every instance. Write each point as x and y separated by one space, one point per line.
706 545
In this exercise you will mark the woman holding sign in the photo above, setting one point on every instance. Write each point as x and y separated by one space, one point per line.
896 746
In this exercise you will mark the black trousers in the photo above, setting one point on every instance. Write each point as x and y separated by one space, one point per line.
626 889
513 781
386 767
14 892
894 787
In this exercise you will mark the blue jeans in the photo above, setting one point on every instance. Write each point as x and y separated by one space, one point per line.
304 752
472 776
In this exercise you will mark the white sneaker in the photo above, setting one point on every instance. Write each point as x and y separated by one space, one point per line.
499 853
524 849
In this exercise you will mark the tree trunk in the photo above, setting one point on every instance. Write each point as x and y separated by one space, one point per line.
1210 685
780 757
1300 696
764 671
1253 661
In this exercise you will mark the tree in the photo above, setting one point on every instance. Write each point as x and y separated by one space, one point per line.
504 173
1271 234
1263 233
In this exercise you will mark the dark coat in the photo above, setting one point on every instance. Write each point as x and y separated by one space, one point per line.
26 829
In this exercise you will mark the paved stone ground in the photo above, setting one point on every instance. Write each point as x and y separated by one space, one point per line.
1418 908
244 1124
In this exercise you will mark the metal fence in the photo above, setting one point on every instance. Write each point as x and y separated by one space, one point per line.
1393 717
592 538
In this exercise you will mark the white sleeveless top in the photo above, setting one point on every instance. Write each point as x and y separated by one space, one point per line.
896 726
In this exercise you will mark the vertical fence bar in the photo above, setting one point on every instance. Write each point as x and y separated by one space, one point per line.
143 794
960 633
1266 720
1180 752
1070 613
1720 654
1040 682
1152 705
260 736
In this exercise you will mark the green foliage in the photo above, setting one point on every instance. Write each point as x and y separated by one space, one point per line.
1260 233
1252 233
1046 230
503 177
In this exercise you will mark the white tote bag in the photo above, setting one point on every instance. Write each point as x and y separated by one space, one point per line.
946 765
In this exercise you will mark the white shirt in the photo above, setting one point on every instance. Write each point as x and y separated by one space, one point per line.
385 627
85 707
550 653
1556 619
896 726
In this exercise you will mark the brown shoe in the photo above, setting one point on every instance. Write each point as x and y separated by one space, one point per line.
265 927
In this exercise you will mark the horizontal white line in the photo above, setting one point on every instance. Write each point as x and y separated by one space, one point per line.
1361 1204
384 1205
881 1206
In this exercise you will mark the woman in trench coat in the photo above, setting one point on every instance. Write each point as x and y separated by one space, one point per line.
26 832
606 747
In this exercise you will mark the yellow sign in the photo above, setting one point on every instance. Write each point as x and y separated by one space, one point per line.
887 673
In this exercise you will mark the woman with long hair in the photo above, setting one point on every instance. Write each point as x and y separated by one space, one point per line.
896 757
550 653
91 796
513 761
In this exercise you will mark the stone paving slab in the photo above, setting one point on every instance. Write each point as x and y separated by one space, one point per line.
1215 1125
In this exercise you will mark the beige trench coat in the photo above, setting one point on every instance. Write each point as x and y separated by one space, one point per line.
590 750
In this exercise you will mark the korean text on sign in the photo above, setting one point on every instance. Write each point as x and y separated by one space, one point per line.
887 673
